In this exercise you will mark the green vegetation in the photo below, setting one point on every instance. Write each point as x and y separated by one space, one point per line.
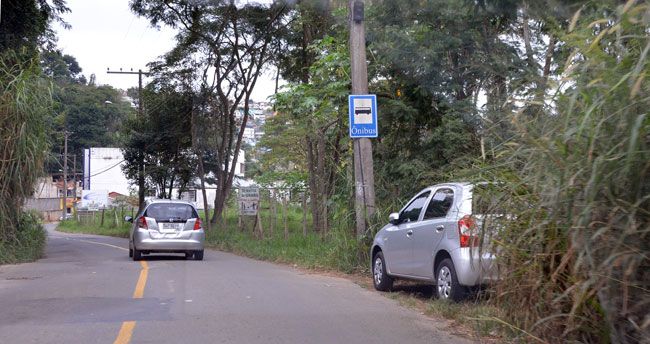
43 94
94 115
24 105
336 251
28 242
104 222
578 178
121 230
549 98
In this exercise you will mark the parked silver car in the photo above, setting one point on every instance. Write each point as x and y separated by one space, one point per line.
434 238
166 226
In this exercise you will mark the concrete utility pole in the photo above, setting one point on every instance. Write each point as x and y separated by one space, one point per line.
65 174
141 189
364 178
74 190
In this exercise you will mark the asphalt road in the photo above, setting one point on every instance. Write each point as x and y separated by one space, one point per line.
87 290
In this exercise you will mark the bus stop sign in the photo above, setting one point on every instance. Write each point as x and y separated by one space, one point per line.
363 115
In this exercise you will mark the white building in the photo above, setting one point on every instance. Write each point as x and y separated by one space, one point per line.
249 135
103 170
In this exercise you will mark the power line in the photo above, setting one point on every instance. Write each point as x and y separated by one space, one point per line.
107 169
141 113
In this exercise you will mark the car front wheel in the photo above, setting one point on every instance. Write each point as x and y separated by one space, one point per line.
380 278
447 286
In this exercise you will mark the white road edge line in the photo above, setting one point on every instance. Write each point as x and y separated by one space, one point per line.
93 242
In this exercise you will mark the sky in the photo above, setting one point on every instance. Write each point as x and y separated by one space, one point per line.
106 34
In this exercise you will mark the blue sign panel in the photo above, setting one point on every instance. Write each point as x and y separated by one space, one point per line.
363 115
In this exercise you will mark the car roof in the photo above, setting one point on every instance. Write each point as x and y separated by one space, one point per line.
461 184
158 200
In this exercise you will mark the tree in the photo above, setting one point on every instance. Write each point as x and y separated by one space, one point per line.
26 24
431 62
93 114
62 68
160 141
226 47
311 122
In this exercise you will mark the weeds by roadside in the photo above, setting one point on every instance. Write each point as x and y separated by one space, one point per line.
28 243
73 226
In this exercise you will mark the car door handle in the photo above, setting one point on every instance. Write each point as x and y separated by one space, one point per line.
440 228
409 233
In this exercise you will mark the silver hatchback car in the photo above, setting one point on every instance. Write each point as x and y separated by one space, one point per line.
434 238
166 226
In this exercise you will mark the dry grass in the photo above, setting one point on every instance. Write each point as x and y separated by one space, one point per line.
575 259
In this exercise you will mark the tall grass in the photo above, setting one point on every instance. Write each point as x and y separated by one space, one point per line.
28 243
24 102
574 261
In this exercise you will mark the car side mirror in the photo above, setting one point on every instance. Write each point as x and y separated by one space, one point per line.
393 218
128 219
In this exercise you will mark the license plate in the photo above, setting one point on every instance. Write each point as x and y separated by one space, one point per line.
171 226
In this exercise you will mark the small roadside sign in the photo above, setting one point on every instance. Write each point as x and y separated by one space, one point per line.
363 115
248 208
248 200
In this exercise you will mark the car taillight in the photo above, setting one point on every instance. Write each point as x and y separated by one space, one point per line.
197 224
467 232
143 223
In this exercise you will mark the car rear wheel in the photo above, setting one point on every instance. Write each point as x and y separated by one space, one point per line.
198 255
380 278
447 286
130 253
188 255
137 254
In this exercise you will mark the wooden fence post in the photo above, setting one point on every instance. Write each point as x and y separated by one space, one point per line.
286 228
258 222
304 213
273 211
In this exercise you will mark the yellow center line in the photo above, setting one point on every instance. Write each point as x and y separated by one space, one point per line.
126 331
124 337
142 281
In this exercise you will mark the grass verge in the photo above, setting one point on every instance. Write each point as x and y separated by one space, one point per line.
73 226
28 243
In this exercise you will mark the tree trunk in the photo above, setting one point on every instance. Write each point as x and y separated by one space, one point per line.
285 215
171 186
530 57
206 208
304 213
312 184
141 189
273 211
321 179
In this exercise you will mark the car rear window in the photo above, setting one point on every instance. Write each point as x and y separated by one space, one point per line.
170 212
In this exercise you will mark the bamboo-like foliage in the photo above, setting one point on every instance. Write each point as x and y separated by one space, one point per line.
25 100
574 254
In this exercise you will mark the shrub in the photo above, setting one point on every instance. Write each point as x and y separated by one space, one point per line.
28 242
